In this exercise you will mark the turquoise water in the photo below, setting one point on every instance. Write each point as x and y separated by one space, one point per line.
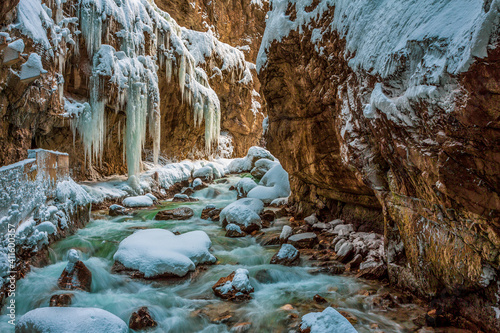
175 306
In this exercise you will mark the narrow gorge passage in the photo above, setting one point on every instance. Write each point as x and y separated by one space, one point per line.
190 306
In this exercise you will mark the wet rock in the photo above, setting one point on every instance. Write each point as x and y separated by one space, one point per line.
267 217
181 213
233 231
349 316
117 210
372 270
75 276
268 238
354 263
232 188
242 327
319 299
286 232
263 276
345 253
220 313
234 287
321 226
141 319
187 191
305 240
288 255
287 307
210 213
311 219
332 268
343 229
61 300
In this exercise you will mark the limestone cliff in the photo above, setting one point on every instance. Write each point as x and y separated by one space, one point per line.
112 70
393 108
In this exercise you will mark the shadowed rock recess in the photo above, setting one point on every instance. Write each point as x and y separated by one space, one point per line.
392 117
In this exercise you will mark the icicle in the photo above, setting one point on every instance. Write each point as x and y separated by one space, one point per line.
91 27
182 75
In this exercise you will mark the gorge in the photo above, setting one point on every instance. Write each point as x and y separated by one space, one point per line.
334 165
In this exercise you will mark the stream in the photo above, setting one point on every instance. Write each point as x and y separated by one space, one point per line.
176 306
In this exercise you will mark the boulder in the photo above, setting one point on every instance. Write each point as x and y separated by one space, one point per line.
60 300
330 320
141 319
70 319
286 232
346 252
311 219
245 213
319 299
211 213
305 240
234 287
233 231
372 270
343 229
138 201
198 184
181 213
75 276
354 263
205 173
288 255
117 210
244 186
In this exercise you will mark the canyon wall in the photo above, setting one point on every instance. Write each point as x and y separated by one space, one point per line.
105 60
391 110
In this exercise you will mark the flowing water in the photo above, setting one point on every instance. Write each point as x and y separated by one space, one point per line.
175 305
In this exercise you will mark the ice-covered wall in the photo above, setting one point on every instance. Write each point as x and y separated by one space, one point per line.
122 56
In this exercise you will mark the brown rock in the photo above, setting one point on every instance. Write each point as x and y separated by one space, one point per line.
234 232
61 300
187 191
372 271
77 277
232 293
291 256
349 316
319 299
181 213
305 240
141 319
267 216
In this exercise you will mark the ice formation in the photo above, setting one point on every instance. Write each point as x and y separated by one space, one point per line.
127 78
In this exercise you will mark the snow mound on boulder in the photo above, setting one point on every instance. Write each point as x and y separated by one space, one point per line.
273 185
244 186
243 212
155 252
70 319
138 201
247 163
330 320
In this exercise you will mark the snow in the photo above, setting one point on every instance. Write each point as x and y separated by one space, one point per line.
197 182
152 197
273 185
247 163
286 232
157 251
47 227
330 320
243 212
33 67
240 283
205 172
287 251
32 20
244 186
70 319
233 227
138 201
181 196
279 202
449 39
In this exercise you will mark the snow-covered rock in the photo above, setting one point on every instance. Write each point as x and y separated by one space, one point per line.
261 167
205 173
273 185
152 197
247 163
244 213
197 182
235 287
115 210
157 252
234 230
244 186
279 202
138 201
288 255
330 320
70 319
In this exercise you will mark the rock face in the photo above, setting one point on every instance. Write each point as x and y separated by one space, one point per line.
377 124
36 116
